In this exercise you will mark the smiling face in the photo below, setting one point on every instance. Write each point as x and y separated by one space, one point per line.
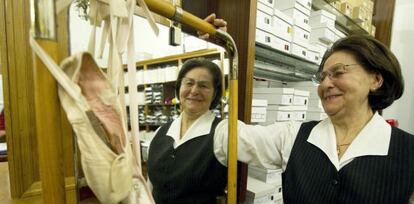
196 91
346 93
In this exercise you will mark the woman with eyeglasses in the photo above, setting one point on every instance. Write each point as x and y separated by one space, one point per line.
353 156
181 163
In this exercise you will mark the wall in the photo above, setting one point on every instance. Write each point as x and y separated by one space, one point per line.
147 44
402 44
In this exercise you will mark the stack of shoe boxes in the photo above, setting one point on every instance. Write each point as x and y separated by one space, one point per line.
264 185
259 107
273 28
283 104
299 11
264 13
314 109
300 104
360 11
279 101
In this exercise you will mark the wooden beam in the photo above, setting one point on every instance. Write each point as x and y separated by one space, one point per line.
382 19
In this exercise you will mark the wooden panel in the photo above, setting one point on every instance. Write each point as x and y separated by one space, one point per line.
67 134
18 95
34 190
48 127
17 70
382 19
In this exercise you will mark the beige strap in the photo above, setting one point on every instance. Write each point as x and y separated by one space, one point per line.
67 84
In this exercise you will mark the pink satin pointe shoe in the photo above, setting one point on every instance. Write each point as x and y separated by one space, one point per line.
106 155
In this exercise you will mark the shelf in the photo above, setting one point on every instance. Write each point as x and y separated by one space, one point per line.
343 22
278 65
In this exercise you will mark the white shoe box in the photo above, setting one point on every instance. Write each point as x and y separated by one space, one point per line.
359 14
264 37
315 115
258 110
346 8
259 192
323 33
281 91
300 18
315 103
264 21
275 99
300 100
282 25
277 115
285 113
279 96
306 3
269 3
320 48
299 92
281 44
300 97
338 34
300 36
303 5
299 115
258 114
313 54
299 50
270 176
322 16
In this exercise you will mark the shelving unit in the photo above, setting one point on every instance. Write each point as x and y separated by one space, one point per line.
343 22
277 65
286 67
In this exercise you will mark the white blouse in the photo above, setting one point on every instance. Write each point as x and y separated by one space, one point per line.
270 146
201 126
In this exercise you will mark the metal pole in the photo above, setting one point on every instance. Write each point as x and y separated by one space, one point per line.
47 106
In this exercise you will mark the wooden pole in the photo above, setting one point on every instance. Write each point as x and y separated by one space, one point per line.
47 106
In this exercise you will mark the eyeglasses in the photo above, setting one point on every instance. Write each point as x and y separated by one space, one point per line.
189 83
333 73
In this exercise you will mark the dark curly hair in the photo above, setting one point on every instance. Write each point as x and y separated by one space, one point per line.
374 57
212 68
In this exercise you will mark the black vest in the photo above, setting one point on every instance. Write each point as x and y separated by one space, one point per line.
310 177
188 174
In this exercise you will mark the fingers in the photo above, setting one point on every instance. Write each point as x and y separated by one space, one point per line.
204 36
210 18
218 23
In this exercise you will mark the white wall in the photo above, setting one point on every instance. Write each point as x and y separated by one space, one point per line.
147 44
402 44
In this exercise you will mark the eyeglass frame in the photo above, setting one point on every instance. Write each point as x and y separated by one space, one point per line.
317 78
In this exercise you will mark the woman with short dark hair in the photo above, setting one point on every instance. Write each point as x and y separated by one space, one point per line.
182 166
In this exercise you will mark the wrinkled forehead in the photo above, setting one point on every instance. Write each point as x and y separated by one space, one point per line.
339 57
199 74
